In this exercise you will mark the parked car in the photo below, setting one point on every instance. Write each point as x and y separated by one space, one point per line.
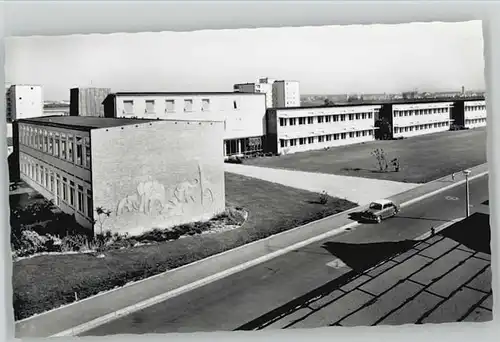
379 210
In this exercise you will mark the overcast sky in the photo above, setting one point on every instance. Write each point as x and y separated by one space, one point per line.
326 60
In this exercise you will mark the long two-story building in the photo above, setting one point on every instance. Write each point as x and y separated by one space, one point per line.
243 114
299 129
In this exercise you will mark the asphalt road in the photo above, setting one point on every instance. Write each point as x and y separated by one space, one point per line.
232 302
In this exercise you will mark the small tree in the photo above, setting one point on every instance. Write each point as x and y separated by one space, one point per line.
379 155
102 215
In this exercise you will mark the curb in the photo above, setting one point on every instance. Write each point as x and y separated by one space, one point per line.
259 246
444 178
440 228
445 188
217 276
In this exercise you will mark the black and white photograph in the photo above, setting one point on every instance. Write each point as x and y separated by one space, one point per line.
248 179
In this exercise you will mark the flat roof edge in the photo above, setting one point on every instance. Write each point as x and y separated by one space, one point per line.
184 93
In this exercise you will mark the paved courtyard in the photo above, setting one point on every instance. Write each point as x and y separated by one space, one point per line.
444 278
355 189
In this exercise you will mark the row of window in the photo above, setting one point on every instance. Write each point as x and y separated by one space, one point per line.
72 148
324 118
324 138
474 108
420 127
420 112
74 195
151 108
474 121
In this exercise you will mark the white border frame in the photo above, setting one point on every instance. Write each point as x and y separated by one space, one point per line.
23 18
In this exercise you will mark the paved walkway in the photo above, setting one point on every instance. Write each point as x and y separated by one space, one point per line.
438 280
355 189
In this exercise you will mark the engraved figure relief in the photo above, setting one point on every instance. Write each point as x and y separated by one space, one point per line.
130 203
204 186
184 192
151 196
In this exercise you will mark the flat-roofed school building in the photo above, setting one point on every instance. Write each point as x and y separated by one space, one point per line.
470 113
418 117
300 129
148 173
243 113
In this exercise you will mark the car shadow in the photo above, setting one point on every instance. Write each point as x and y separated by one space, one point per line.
356 216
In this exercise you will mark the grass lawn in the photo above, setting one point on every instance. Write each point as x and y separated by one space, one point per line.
46 282
422 159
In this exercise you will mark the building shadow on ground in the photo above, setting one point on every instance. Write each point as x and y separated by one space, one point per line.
360 257
473 232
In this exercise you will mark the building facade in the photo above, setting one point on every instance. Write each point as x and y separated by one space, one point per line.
279 94
263 88
417 118
470 113
87 101
243 114
302 129
122 165
286 94
475 114
266 80
23 101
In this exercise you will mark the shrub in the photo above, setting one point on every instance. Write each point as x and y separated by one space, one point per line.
77 243
395 164
27 241
323 198
52 244
234 160
30 242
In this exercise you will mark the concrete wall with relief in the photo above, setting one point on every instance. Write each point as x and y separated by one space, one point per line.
158 174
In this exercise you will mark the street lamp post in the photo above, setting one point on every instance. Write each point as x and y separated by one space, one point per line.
467 207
